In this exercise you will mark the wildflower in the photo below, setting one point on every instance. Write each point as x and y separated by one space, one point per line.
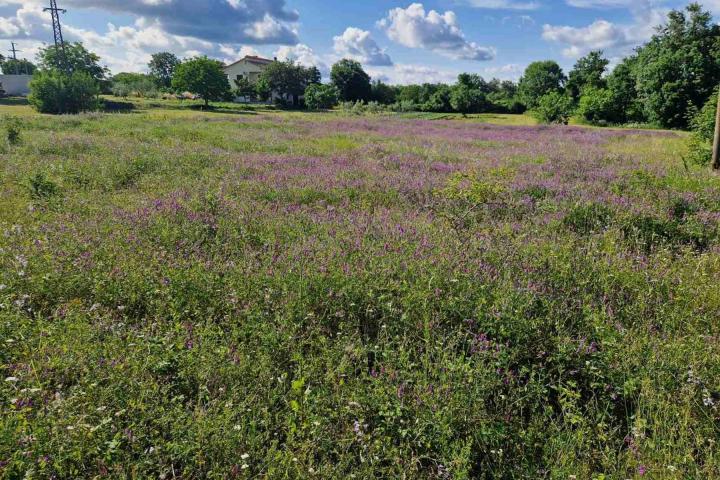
245 466
12 379
642 470
244 456
2 287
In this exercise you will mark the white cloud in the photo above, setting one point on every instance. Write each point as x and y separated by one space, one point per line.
405 74
604 35
440 33
222 21
511 71
501 4
359 45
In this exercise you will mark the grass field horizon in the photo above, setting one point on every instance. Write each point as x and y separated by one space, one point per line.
251 293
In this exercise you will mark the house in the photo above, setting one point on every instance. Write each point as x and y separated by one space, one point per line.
249 67
15 85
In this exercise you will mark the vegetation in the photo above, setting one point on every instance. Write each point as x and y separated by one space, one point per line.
56 92
10 66
204 77
314 295
351 81
319 96
134 84
162 67
287 79
76 59
539 80
554 107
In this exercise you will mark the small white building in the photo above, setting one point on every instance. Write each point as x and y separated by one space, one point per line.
249 67
16 85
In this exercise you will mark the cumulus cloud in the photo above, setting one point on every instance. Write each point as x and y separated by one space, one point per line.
359 45
604 35
406 74
511 71
413 27
222 21
304 55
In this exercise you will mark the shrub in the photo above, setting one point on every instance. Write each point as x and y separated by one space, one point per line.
597 106
12 129
588 218
41 187
319 97
554 108
53 91
703 131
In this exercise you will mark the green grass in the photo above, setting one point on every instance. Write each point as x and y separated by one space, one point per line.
251 293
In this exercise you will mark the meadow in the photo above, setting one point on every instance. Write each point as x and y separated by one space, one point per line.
255 294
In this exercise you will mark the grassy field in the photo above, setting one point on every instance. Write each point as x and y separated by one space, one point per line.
246 293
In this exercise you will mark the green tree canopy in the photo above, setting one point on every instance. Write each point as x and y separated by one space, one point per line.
162 67
11 66
539 79
587 72
286 79
351 80
318 96
204 77
677 71
78 58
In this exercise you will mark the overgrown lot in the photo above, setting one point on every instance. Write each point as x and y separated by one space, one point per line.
272 295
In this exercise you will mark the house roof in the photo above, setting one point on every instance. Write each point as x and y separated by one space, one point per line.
252 59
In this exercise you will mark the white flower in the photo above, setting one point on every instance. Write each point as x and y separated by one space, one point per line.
244 456
245 465
2 287
237 427
12 379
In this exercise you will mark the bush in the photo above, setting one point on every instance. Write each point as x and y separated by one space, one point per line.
12 129
703 132
53 91
554 108
598 105
319 97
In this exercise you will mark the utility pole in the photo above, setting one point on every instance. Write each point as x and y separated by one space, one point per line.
57 31
14 52
716 142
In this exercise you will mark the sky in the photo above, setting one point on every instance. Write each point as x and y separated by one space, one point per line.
396 41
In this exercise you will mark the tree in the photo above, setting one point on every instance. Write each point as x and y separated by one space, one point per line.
78 59
204 77
440 101
162 67
286 79
11 66
622 83
383 93
55 91
318 96
587 72
314 75
554 107
700 144
597 105
678 70
351 80
540 79
465 99
244 88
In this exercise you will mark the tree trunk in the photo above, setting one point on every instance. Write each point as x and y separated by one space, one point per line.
716 142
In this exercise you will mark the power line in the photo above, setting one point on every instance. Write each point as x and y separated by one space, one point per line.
57 31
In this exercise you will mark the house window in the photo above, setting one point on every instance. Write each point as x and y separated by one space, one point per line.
239 77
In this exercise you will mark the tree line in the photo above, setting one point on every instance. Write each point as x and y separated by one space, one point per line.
665 82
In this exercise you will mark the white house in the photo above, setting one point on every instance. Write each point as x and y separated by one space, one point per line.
249 67
16 85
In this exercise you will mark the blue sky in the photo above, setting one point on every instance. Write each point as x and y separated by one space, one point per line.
400 42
